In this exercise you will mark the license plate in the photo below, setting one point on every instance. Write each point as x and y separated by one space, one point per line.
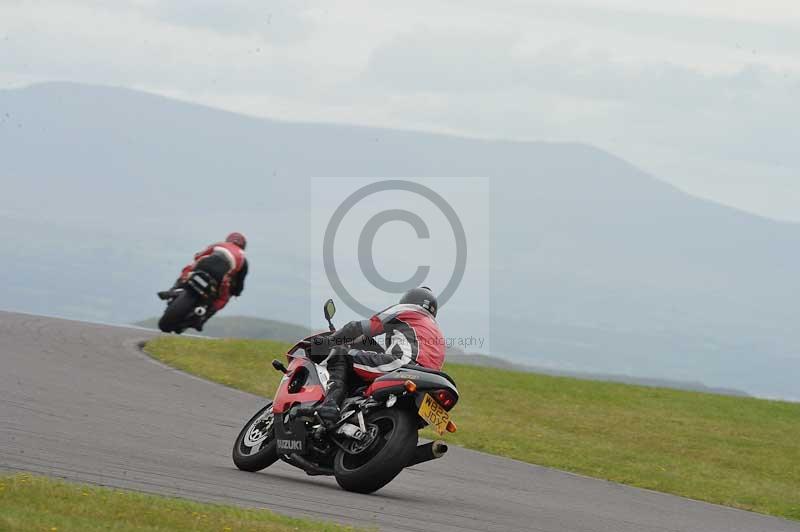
433 413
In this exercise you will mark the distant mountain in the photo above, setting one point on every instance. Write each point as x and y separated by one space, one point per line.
595 266
244 327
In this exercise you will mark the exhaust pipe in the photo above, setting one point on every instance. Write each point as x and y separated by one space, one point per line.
305 465
429 451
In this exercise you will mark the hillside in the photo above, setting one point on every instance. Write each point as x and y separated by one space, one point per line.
487 361
244 327
737 451
595 266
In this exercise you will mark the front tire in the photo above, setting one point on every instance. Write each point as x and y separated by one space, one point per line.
385 458
177 312
256 447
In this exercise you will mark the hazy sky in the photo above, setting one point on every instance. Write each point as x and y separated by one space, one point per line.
705 94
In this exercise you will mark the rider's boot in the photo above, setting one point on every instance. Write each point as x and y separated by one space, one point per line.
329 410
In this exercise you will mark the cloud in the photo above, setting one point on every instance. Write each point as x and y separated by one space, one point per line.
775 35
126 45
679 92
277 22
728 113
433 60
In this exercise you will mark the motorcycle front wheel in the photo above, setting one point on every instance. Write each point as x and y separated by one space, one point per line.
256 447
177 312
389 448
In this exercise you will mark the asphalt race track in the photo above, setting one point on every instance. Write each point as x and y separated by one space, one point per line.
80 401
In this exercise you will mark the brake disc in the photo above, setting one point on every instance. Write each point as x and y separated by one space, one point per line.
359 446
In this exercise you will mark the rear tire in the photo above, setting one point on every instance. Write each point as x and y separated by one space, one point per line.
177 312
256 447
390 453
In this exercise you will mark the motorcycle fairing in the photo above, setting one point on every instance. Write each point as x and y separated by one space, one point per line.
301 384
291 437
394 382
382 387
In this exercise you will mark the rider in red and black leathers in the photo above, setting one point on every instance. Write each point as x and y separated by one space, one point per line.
412 337
226 263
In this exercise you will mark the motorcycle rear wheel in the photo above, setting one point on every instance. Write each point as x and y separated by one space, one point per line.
385 458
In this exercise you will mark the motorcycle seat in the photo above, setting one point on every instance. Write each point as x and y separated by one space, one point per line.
417 367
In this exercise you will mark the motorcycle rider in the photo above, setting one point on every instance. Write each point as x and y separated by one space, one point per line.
226 262
412 337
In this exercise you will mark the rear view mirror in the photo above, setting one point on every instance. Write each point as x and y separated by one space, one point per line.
329 309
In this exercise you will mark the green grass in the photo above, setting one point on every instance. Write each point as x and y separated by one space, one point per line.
736 451
31 503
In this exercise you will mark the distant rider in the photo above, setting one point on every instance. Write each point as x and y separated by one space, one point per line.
226 263
412 337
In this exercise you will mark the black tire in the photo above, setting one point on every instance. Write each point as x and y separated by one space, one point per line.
260 431
383 460
177 312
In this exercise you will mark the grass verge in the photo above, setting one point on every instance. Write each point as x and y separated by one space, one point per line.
32 503
740 452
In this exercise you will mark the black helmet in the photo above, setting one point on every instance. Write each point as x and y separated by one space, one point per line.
422 296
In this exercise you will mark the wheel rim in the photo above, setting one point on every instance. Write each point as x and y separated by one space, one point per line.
258 433
380 431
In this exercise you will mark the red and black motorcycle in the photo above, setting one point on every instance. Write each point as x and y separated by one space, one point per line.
376 435
188 305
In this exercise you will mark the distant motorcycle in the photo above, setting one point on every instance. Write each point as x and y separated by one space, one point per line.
376 435
188 305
